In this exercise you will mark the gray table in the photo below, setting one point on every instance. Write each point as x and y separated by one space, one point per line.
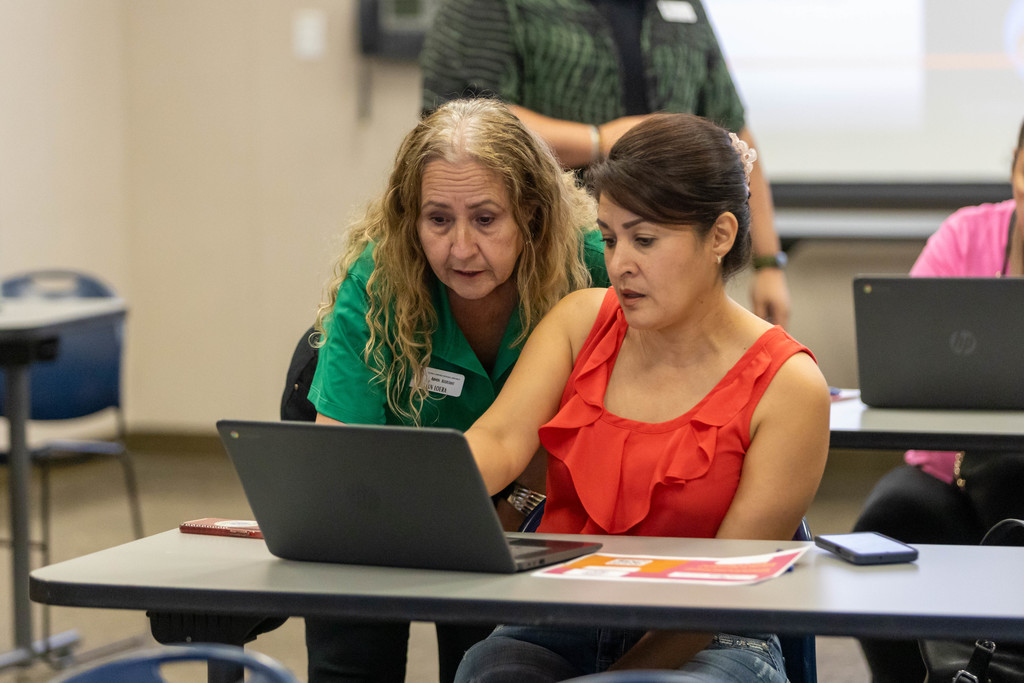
932 597
855 425
30 330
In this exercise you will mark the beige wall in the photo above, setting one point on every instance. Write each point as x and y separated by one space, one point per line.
182 151
62 144
244 162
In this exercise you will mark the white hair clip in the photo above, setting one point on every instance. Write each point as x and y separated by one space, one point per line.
748 155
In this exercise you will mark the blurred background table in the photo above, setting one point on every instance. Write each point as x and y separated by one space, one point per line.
30 330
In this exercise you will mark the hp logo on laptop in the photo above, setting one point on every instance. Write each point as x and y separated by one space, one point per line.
963 342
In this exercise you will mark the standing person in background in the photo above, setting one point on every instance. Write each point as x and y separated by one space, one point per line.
478 234
940 496
580 73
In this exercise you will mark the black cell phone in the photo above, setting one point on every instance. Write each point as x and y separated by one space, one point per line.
867 547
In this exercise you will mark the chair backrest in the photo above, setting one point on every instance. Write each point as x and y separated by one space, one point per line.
294 402
532 520
85 378
633 676
799 652
1007 532
145 667
54 284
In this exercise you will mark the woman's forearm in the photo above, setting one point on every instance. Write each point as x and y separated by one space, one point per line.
573 143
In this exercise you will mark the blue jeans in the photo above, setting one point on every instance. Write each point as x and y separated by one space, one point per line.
540 654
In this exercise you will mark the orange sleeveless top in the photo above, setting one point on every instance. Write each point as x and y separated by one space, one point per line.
610 475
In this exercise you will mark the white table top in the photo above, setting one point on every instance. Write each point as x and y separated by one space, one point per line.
951 591
855 425
22 315
28 326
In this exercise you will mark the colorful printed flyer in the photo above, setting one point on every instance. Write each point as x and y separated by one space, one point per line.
710 571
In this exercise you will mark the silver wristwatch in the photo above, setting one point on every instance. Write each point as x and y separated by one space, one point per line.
523 499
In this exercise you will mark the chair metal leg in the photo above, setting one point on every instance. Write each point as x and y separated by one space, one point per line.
45 518
57 650
131 482
131 485
44 511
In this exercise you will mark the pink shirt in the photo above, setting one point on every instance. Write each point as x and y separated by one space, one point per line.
970 243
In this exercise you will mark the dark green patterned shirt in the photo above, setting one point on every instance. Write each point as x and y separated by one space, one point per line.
558 58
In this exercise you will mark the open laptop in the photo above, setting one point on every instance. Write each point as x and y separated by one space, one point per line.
940 342
394 496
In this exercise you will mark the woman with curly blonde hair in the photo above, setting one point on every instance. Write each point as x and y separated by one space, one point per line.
550 213
477 236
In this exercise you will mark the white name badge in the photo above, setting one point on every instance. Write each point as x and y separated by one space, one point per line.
444 382
679 11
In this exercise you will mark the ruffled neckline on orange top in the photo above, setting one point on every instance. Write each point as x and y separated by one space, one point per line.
616 463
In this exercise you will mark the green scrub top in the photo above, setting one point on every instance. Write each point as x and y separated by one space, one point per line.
345 389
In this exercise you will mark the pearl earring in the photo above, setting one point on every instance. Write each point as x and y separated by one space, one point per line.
719 260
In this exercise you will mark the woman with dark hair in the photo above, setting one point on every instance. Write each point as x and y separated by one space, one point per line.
665 407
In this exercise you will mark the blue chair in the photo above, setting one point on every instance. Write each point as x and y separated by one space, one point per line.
532 520
799 651
145 667
630 676
83 380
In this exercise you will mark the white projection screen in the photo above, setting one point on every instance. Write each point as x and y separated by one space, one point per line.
879 91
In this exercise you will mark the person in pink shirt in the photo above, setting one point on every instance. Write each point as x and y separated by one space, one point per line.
942 496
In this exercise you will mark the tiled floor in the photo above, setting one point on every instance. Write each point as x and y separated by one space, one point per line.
92 514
